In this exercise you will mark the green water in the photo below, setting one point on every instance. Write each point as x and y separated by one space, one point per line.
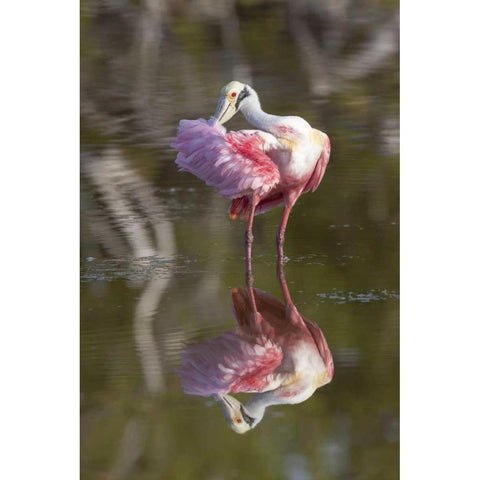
159 253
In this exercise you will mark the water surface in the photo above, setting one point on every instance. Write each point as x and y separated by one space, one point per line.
159 254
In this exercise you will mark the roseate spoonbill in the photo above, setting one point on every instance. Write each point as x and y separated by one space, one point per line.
258 169
274 353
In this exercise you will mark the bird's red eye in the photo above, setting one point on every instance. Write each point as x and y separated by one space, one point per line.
233 94
238 420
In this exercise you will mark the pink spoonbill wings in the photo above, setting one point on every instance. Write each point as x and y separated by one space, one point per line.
258 169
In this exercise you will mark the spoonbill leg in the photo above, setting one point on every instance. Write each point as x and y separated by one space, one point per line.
290 200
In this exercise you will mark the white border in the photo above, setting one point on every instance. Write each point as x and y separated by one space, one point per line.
39 239
439 240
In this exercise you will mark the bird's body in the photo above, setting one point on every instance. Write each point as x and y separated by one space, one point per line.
259 169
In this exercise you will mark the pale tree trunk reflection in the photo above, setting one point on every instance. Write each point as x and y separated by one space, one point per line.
130 207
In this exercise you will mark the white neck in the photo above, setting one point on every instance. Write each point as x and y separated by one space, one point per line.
255 116
257 404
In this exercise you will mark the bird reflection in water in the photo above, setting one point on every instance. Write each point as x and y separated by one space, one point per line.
275 353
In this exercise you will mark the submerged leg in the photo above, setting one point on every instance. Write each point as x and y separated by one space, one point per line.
248 243
291 310
282 280
256 317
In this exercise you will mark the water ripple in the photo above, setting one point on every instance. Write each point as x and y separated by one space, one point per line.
338 297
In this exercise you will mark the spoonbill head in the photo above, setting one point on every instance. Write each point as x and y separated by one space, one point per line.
238 418
233 97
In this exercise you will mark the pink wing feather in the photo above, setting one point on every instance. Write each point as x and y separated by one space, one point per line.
234 162
322 346
229 363
320 168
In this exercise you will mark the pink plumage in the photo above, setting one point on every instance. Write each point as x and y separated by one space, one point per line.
322 346
233 162
240 360
320 168
229 363
258 169
247 359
